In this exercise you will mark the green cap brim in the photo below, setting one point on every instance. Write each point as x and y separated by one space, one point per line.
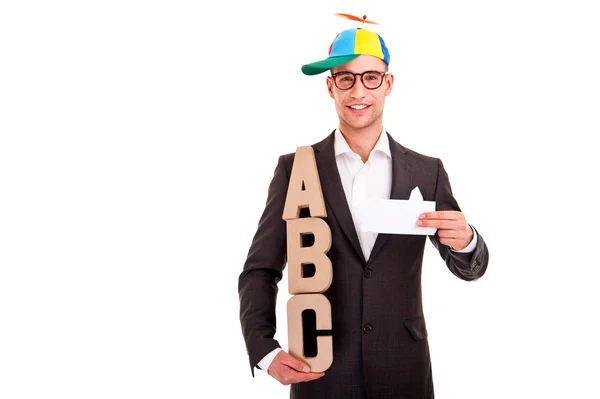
318 67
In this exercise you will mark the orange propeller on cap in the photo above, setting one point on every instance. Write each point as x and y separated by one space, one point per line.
355 18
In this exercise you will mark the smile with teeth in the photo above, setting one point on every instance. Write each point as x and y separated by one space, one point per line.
358 107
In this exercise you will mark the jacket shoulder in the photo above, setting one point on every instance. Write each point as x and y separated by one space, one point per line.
424 161
288 158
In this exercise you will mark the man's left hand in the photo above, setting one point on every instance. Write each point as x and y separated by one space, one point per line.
452 227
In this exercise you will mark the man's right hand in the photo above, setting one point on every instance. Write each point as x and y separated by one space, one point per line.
288 370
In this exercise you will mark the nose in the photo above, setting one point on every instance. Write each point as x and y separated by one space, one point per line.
358 90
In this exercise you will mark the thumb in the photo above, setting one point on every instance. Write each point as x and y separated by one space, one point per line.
297 364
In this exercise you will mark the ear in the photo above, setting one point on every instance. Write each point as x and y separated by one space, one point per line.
330 86
389 82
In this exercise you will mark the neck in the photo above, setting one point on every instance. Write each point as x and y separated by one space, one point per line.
362 140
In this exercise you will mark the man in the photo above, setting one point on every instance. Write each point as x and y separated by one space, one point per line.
380 347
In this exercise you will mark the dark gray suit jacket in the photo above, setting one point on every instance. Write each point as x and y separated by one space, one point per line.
380 347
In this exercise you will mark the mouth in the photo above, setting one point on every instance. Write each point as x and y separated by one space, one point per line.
358 108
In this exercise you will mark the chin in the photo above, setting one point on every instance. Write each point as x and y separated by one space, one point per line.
360 125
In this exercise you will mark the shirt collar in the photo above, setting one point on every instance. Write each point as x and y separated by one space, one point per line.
340 145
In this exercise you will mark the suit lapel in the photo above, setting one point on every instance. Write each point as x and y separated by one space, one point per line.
333 191
402 183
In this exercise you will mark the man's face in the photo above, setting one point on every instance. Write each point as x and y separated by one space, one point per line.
359 107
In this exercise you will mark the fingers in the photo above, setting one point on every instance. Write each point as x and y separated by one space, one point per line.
304 377
452 234
288 370
294 363
452 227
447 220
456 239
443 224
286 375
450 215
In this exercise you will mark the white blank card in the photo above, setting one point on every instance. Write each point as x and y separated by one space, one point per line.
393 216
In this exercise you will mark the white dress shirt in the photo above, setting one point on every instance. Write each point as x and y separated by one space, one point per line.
371 179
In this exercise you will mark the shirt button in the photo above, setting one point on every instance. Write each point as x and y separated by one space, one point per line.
367 329
368 273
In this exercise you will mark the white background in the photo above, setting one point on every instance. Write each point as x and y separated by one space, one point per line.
137 141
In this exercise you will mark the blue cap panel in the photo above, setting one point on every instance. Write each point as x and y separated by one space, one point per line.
344 43
386 54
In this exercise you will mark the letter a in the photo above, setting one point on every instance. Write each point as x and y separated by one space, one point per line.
304 189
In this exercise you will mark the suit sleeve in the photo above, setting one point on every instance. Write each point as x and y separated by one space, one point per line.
262 271
466 266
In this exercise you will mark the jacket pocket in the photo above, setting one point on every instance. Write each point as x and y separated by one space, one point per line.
416 327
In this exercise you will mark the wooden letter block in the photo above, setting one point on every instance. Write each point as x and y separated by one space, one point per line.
320 304
309 311
315 254
304 189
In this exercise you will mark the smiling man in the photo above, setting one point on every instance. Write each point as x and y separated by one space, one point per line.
380 346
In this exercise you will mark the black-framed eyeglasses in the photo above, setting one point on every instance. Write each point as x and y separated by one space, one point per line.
370 79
